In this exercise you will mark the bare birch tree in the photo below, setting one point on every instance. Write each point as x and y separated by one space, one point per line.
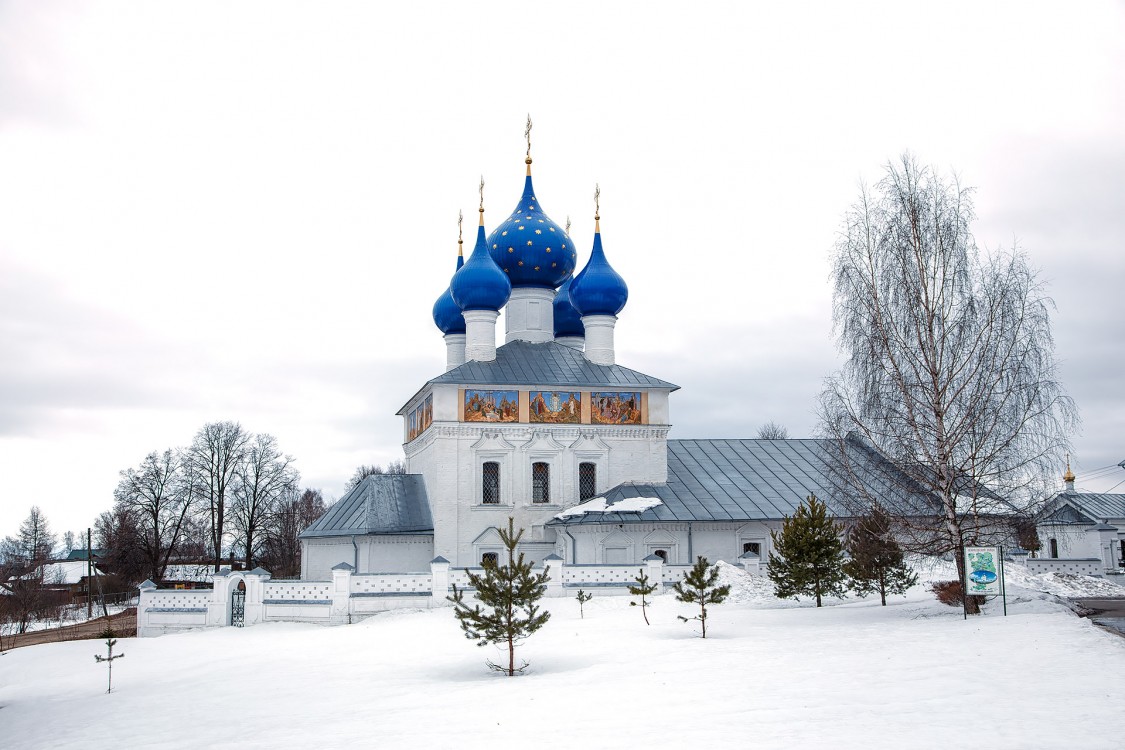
265 478
950 371
212 461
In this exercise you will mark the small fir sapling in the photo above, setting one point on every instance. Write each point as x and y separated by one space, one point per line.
699 587
809 555
583 597
109 658
876 562
510 592
642 589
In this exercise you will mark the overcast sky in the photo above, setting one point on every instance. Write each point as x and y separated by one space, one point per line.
241 211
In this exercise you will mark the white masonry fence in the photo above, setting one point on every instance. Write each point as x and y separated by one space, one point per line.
349 596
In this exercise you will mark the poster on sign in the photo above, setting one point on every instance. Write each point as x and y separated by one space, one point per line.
983 571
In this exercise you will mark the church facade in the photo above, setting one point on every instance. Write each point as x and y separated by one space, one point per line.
549 429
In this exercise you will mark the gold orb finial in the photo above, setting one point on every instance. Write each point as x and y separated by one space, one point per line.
1069 475
460 241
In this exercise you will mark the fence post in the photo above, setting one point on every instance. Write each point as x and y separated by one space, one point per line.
255 594
341 594
439 581
147 588
655 572
553 566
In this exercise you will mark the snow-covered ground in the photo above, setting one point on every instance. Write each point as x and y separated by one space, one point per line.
770 674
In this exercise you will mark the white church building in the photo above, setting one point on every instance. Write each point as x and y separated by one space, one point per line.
547 428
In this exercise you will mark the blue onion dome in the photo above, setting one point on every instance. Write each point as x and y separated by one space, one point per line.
567 320
447 315
480 284
598 289
533 250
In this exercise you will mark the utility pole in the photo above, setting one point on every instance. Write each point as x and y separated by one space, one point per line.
89 576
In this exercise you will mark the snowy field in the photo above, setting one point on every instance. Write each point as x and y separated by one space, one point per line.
770 674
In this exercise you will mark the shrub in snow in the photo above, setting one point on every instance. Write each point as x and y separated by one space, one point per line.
642 589
953 594
700 586
583 597
876 563
510 593
809 555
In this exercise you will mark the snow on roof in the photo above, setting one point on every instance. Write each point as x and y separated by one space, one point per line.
601 505
65 572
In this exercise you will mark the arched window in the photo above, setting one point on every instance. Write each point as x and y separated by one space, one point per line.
490 485
587 481
540 482
1054 546
489 558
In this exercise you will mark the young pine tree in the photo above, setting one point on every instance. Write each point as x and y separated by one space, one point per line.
877 563
643 588
510 593
810 555
698 587
582 598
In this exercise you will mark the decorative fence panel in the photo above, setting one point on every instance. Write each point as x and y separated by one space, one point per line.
598 576
1091 566
392 584
290 592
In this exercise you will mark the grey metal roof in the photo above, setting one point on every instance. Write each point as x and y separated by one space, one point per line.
1099 506
381 504
749 480
1065 514
521 363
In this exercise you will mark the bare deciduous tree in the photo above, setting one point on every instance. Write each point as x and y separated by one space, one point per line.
211 463
265 478
772 431
950 370
364 471
281 553
158 499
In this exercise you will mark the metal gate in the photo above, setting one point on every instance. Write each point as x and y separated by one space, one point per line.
238 605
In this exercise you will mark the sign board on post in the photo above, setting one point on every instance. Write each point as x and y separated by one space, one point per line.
983 571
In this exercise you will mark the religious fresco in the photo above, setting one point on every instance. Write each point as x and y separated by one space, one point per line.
615 408
556 407
491 406
420 418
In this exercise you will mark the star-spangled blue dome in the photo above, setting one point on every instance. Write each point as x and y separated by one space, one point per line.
567 320
480 284
598 289
533 250
447 315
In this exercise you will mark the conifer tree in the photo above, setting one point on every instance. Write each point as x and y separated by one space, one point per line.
876 562
643 588
698 587
810 555
583 597
109 658
510 593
